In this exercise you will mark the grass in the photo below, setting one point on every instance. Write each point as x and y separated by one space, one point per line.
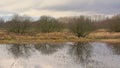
39 38
99 35
105 36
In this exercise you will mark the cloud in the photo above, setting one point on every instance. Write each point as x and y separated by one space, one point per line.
38 13
59 7
101 6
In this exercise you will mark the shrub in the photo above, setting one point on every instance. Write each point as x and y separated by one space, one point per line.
18 24
81 26
48 24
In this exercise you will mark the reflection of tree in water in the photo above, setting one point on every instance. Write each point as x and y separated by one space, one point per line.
47 48
116 48
81 52
20 50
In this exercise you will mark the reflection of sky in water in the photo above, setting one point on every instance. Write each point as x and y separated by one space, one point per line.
68 55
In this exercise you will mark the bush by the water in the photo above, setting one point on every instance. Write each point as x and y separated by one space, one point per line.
81 26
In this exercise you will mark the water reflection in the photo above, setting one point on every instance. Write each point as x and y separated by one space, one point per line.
116 48
81 52
64 55
48 48
20 50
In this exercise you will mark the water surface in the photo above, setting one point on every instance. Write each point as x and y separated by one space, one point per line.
64 55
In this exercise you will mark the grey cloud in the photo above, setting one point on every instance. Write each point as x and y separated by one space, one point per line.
76 6
100 6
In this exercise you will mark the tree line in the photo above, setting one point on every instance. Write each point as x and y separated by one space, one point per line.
80 26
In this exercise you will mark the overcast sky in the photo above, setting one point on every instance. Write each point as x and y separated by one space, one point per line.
59 8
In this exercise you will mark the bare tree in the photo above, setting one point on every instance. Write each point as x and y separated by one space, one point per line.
48 24
114 24
81 26
1 23
18 24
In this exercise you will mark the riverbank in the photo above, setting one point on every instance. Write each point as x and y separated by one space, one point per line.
56 37
103 35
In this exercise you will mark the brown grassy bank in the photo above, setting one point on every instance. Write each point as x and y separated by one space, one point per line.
40 38
102 36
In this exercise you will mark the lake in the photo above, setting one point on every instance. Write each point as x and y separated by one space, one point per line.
62 55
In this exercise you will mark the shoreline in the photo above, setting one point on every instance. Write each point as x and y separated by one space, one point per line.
57 41
57 37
